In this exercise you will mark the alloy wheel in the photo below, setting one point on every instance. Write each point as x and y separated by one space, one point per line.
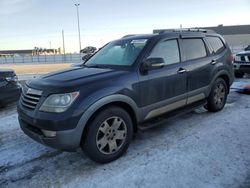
219 94
111 135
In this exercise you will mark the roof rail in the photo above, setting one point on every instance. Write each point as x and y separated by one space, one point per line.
186 30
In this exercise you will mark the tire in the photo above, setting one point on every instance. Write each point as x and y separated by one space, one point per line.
108 135
239 75
218 96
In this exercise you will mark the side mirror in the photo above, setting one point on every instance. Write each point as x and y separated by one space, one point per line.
153 63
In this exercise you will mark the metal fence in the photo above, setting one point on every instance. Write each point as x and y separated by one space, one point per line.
61 58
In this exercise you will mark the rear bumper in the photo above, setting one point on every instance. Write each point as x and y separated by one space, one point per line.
10 93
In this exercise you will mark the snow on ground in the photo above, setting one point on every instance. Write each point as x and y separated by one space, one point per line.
199 149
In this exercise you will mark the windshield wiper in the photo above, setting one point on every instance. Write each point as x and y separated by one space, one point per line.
99 66
83 65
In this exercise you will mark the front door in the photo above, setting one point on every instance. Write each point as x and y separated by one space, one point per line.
164 89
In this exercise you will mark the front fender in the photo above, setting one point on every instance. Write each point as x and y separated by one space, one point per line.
100 103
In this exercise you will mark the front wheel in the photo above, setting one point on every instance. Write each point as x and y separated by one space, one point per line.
218 96
108 135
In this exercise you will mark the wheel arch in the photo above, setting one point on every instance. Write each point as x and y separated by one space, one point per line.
122 101
225 76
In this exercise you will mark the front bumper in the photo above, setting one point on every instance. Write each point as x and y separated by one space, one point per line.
63 140
10 93
35 123
242 67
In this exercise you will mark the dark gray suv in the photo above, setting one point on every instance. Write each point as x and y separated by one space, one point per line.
130 84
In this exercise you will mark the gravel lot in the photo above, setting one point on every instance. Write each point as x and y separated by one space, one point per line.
199 149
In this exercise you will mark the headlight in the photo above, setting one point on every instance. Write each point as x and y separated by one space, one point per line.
237 58
59 102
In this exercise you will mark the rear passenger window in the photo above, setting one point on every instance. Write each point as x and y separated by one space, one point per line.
216 44
168 50
194 48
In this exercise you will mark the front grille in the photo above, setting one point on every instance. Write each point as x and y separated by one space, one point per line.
245 66
30 97
245 58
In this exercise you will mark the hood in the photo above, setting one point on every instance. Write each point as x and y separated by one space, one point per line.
6 72
243 53
72 77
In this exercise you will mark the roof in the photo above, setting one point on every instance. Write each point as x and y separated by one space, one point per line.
168 32
222 30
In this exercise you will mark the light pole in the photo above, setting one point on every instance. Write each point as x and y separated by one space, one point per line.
79 33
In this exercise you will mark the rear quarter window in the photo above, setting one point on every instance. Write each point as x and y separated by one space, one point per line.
194 48
216 44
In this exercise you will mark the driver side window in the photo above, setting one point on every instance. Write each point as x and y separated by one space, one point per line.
168 50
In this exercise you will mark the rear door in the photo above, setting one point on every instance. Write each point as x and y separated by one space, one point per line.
219 52
199 66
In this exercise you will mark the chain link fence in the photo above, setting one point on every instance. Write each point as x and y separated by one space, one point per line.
57 58
61 58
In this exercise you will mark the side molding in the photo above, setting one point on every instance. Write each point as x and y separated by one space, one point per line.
165 109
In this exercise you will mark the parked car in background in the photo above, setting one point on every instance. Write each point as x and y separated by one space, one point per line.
87 53
89 50
10 90
242 63
131 83
247 48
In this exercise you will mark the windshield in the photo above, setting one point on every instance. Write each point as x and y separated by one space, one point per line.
247 48
118 53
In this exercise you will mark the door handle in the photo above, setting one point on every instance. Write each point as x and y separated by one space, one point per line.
213 62
181 71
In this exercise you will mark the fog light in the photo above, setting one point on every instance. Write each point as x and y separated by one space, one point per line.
49 133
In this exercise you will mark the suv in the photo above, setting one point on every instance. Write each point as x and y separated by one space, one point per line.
10 90
242 63
130 84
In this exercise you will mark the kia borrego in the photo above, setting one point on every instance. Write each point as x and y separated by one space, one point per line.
130 84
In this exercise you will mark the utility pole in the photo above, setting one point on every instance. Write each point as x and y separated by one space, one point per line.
63 42
79 33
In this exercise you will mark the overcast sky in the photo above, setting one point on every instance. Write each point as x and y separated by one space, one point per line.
25 24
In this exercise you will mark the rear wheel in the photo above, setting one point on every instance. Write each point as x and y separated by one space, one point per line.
218 96
108 135
239 75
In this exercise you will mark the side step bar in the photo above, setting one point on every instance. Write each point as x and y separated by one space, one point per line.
160 120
